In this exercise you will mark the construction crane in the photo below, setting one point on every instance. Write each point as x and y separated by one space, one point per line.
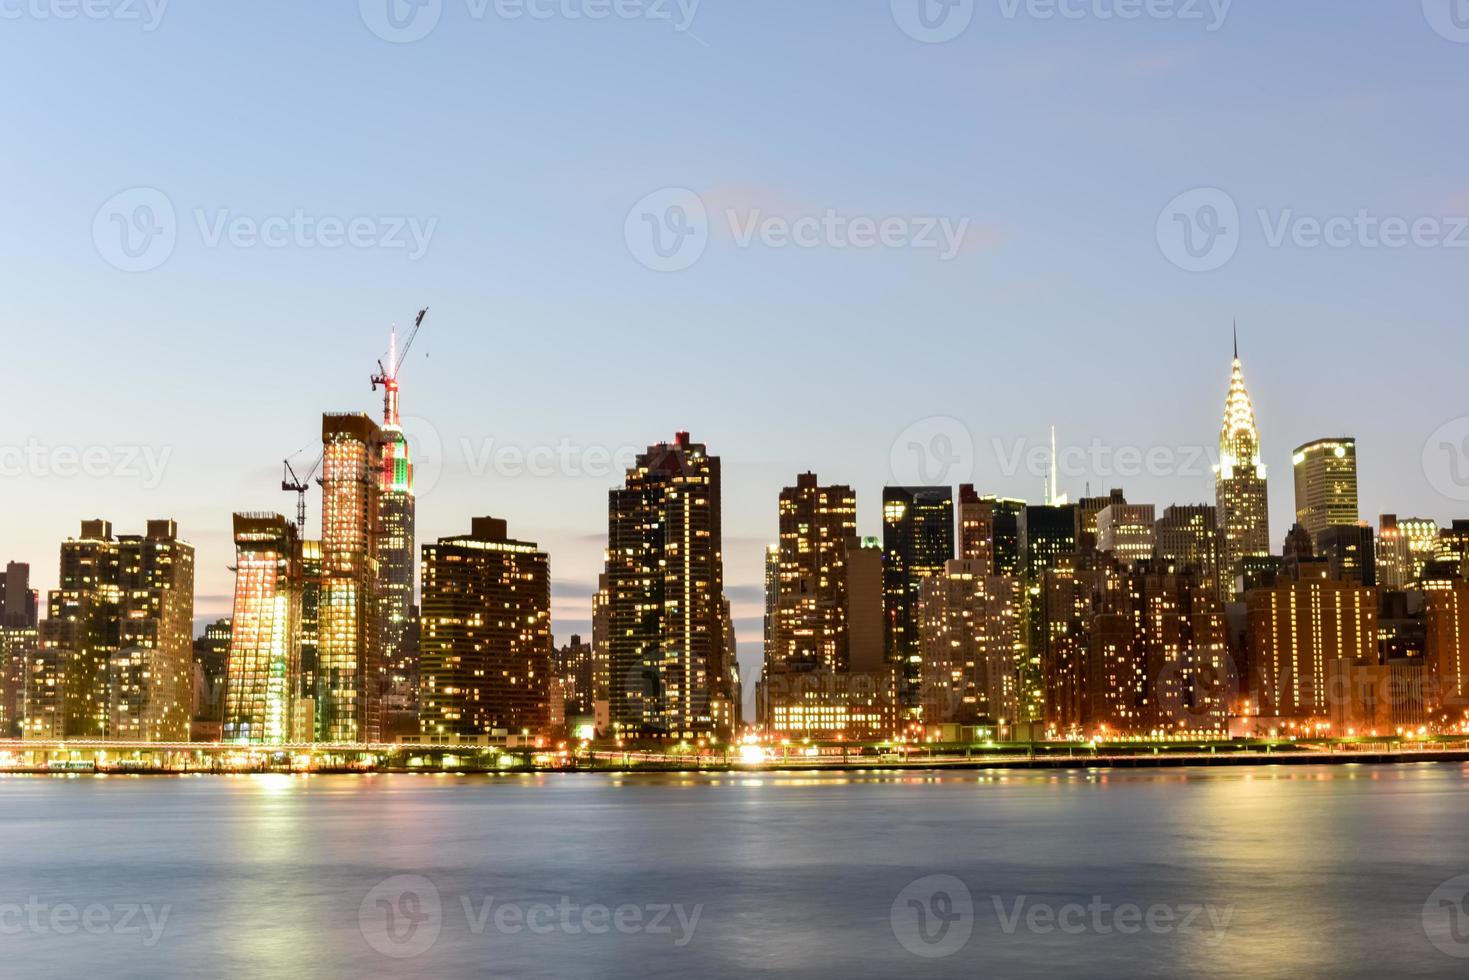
387 376
299 485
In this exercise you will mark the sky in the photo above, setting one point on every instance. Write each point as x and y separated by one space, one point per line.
884 243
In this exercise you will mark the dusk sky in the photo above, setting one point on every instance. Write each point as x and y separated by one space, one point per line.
499 168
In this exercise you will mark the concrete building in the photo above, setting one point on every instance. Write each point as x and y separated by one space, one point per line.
350 663
264 666
486 649
1240 486
1326 484
671 674
970 625
1127 532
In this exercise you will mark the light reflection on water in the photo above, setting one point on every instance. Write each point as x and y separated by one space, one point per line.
1325 870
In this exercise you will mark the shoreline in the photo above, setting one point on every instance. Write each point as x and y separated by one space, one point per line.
1040 763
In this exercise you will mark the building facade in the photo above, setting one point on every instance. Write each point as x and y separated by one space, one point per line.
349 622
670 670
486 661
1240 486
263 686
917 541
1326 484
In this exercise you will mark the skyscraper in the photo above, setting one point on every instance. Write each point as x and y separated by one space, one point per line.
1187 536
1296 629
1350 550
1326 484
1127 531
970 627
150 676
976 528
83 633
396 555
486 657
670 673
349 621
116 651
18 601
917 540
263 674
811 600
1240 487
18 638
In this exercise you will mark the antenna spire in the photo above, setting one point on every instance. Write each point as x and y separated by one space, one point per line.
1236 338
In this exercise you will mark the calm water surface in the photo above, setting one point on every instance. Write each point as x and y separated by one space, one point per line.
1249 872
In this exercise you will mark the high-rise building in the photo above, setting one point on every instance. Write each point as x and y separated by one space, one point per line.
1393 570
115 657
211 675
976 528
811 601
917 540
866 642
1453 548
1127 531
18 639
576 669
969 621
1047 532
1088 511
18 601
1326 484
772 596
85 631
17 645
1008 512
1187 537
150 676
350 631
264 671
1241 491
486 659
309 696
397 557
1350 550
670 669
1446 654
1296 628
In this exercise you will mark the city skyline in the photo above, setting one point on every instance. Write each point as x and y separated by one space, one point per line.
572 598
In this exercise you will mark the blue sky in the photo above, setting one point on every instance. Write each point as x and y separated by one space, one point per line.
522 146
